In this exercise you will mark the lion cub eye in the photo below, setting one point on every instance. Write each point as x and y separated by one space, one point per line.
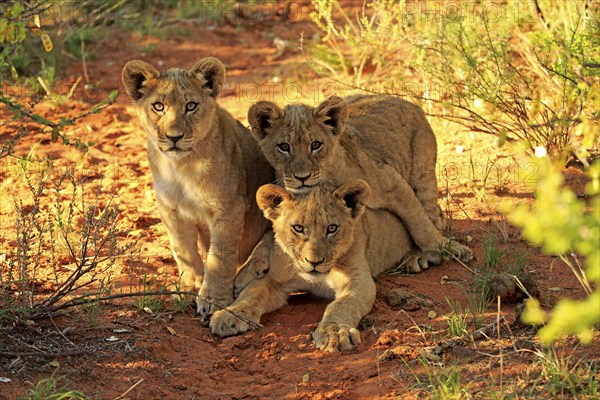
191 106
298 228
331 229
284 147
158 106
316 145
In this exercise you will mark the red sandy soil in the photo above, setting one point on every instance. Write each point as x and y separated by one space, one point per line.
169 354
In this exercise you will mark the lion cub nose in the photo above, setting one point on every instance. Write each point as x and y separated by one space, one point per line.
314 264
302 177
174 139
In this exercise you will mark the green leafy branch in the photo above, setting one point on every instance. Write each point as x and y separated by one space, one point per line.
55 128
569 227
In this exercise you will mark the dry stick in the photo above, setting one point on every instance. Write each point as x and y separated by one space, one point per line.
415 324
59 331
477 335
83 59
129 390
498 316
41 353
81 301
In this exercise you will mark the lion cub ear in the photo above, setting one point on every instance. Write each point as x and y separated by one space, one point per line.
269 198
333 112
137 76
261 117
354 196
211 72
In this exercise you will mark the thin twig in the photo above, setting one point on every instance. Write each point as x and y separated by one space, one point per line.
41 353
129 390
477 335
59 331
83 300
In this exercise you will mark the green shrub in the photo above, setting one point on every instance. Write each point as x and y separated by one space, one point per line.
569 227
52 388
494 68
33 40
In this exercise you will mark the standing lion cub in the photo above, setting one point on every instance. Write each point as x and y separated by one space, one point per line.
206 169
328 247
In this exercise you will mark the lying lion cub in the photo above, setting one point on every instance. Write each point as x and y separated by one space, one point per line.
381 139
329 248
206 169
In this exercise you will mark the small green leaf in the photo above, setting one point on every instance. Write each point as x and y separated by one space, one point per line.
533 313
10 33
113 96
21 32
305 377
55 134
502 138
13 73
17 10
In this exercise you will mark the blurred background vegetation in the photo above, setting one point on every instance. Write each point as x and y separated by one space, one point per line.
526 72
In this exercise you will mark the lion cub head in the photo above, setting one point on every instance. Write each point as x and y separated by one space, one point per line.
315 228
177 107
299 141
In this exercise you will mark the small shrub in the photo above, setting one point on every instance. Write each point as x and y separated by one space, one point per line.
569 227
457 320
52 389
64 229
493 68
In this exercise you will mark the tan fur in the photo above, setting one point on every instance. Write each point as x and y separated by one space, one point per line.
206 169
381 139
328 247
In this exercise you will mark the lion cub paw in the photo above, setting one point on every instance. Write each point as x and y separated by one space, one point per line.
224 323
462 252
419 261
207 303
253 270
334 338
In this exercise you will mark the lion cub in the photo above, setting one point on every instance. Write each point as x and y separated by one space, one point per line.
328 247
206 169
381 139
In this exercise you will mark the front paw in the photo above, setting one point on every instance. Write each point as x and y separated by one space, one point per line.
224 323
253 270
455 249
210 301
333 338
418 261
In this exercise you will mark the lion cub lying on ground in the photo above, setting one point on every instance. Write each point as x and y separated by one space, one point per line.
328 247
206 169
382 139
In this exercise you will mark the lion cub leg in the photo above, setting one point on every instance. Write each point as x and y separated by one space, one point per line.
258 298
257 265
422 178
398 197
221 262
424 185
184 235
355 295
